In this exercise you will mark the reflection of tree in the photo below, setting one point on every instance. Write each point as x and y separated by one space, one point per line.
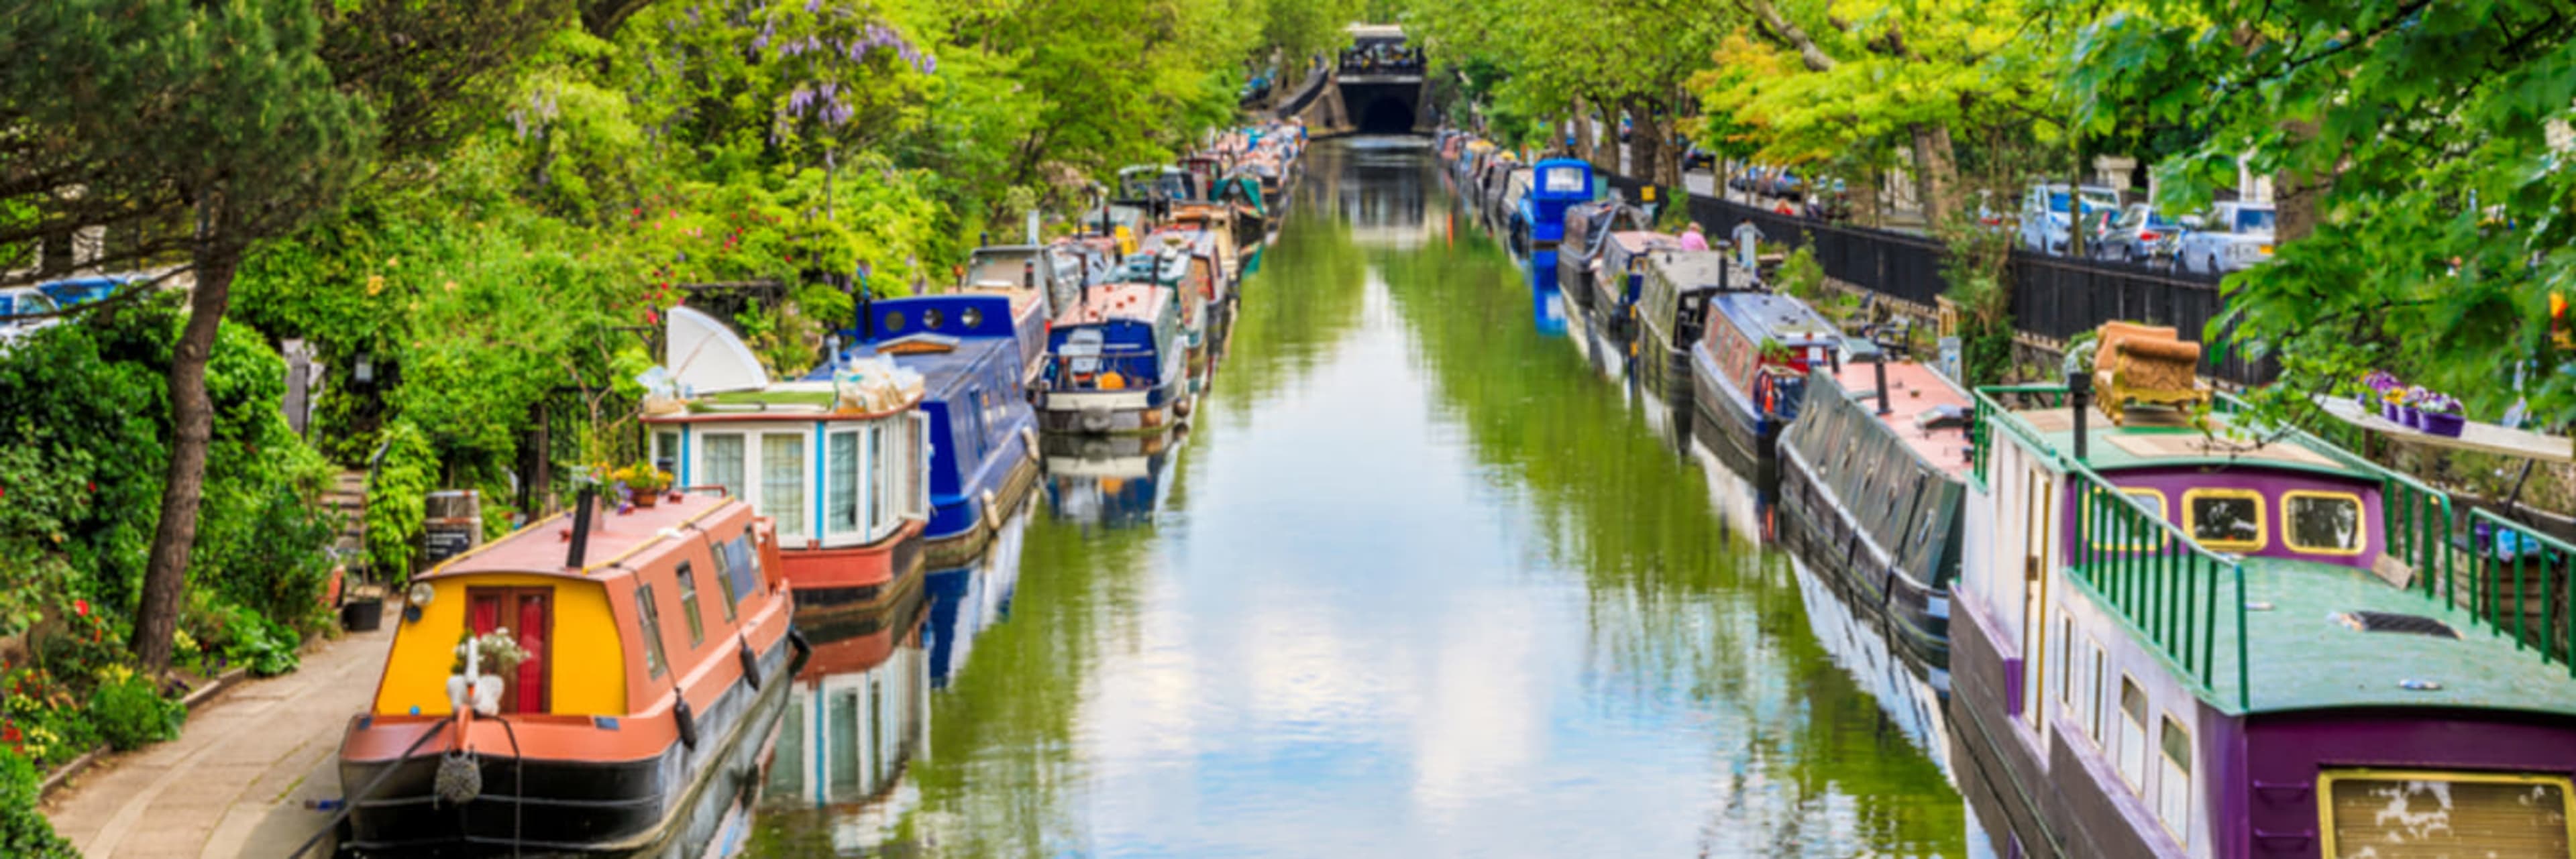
1001 754
1304 301
1684 616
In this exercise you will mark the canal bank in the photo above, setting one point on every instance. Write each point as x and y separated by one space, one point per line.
1419 584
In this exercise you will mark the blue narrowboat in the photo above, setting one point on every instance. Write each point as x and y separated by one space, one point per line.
1115 482
1560 183
1749 375
1118 362
983 451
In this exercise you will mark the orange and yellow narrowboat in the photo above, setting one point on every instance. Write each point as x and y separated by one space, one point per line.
656 647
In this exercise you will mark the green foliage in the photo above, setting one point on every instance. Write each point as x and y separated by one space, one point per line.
24 832
230 635
398 499
131 714
1975 270
1800 276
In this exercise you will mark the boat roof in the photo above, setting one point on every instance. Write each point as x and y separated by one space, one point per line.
2153 438
1639 241
618 544
798 400
1914 390
1779 318
1697 270
1135 301
2304 658
944 374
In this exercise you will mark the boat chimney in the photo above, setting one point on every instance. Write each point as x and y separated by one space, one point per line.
1878 368
1029 274
2079 396
580 528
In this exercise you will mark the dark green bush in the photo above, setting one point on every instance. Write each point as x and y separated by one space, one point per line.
23 832
131 714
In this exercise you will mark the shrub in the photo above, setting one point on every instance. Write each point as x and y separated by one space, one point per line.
398 499
130 713
1800 276
23 832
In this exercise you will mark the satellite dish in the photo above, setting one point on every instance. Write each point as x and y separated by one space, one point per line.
705 357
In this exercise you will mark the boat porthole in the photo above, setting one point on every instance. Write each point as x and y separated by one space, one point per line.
930 319
971 317
894 322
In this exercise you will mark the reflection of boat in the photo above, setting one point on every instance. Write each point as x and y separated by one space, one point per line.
1910 695
966 601
1546 307
856 715
1111 481
657 646
1749 372
983 437
840 475
2171 638
1873 496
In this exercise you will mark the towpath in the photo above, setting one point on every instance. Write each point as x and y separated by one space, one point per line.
236 781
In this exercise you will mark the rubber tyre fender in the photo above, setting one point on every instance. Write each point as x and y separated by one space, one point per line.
796 639
750 662
687 721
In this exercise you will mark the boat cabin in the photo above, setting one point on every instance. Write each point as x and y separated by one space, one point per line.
970 357
1029 269
1560 183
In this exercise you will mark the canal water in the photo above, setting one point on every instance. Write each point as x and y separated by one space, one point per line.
1421 582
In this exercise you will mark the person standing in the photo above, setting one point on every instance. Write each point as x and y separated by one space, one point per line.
1692 240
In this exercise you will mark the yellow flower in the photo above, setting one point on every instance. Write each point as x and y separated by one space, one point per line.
375 284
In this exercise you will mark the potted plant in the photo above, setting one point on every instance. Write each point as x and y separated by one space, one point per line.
496 654
2392 405
2439 414
644 483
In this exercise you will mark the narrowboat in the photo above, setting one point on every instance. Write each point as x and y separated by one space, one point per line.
1871 476
2180 631
1038 277
1558 184
654 645
1178 260
1587 231
1620 277
1154 188
1671 308
835 465
856 714
1749 372
1118 362
982 433
1115 482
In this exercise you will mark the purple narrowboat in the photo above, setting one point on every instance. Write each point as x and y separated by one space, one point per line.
2211 638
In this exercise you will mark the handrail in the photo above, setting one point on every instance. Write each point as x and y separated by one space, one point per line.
1988 411
2551 560
2170 597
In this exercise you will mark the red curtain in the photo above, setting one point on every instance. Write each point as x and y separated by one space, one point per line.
532 637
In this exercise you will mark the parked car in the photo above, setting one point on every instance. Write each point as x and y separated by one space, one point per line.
2140 234
1695 158
78 291
2232 237
1784 184
2045 213
18 302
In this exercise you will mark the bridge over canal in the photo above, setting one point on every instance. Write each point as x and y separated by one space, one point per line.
1376 86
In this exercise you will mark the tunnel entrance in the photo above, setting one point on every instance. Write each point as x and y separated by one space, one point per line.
1386 115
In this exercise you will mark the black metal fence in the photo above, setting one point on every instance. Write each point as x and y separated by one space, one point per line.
2052 297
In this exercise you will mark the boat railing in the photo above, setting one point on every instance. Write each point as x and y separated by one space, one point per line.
2162 582
1989 413
2518 585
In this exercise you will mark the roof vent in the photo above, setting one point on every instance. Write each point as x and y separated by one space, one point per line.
2411 624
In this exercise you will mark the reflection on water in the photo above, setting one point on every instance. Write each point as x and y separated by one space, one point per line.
856 715
1417 583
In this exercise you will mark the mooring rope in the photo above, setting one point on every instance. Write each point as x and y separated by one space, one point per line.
349 802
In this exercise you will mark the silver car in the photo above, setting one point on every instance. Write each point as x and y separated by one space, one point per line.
24 301
2233 237
2140 234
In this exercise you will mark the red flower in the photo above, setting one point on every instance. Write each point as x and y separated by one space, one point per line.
81 606
9 734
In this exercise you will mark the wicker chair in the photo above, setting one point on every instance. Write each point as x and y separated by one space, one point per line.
2145 365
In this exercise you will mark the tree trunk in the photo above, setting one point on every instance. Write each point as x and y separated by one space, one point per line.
1641 146
1936 172
1583 147
192 420
2295 195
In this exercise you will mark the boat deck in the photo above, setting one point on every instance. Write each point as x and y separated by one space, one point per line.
1915 390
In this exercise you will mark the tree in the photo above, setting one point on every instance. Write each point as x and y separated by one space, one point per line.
2423 185
199 130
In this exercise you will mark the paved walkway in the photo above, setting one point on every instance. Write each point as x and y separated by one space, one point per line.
235 782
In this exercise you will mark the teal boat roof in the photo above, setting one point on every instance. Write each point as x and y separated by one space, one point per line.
2302 657
2152 440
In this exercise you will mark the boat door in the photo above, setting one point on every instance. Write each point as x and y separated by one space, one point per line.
529 615
2036 557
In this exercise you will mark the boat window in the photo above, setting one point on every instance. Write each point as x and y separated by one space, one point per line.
689 604
2322 522
666 450
745 562
2066 662
782 482
2121 533
931 318
2225 519
893 322
878 509
722 463
1565 180
2093 690
651 618
2173 785
971 317
841 499
2409 813
528 615
723 556
2133 733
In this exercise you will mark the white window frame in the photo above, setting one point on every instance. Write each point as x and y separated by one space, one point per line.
809 444
2133 751
915 488
834 479
2174 782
